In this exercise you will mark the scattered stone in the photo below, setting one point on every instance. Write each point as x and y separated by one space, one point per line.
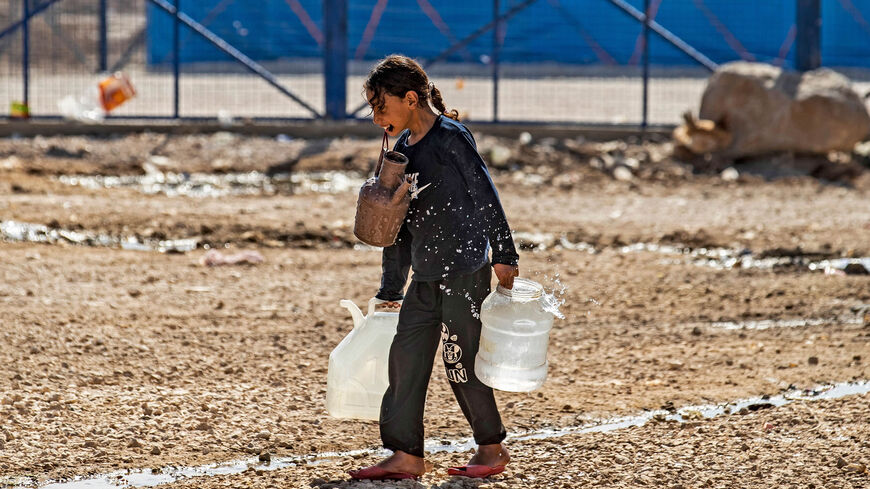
696 331
134 293
841 462
729 174
856 269
134 443
757 406
264 435
265 457
155 451
317 482
813 361
622 174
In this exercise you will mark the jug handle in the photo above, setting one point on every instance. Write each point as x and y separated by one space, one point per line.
385 146
358 317
374 301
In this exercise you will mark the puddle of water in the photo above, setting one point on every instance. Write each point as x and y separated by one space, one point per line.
545 241
694 413
718 258
727 259
149 478
784 323
832 266
38 233
202 185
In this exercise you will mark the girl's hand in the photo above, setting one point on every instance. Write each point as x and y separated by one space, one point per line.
506 274
388 306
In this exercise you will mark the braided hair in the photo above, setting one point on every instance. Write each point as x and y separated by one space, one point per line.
397 75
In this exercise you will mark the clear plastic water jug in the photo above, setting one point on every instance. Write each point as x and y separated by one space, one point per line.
514 338
357 375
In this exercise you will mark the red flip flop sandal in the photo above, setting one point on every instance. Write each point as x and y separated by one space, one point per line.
376 473
476 471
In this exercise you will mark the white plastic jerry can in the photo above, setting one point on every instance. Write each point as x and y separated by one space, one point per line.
514 336
357 376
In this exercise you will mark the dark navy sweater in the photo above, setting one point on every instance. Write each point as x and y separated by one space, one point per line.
455 221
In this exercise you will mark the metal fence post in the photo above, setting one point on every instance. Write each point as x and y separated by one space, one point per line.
25 55
809 34
496 34
644 118
104 50
335 58
176 59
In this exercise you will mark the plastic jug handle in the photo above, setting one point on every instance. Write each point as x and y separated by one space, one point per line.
358 317
374 301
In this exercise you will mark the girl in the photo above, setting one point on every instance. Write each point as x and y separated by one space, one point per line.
446 238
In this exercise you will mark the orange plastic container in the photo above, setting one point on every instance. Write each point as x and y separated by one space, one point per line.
115 90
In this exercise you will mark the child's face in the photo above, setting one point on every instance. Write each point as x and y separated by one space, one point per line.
393 115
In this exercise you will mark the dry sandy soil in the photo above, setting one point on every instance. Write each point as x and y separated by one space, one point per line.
115 359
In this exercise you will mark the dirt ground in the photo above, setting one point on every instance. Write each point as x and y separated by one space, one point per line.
116 359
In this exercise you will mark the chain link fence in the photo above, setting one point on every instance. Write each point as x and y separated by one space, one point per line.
542 61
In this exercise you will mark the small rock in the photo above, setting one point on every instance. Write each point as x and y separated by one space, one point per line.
203 426
813 360
856 269
264 435
134 293
623 174
696 331
729 174
155 451
90 444
860 468
134 443
265 457
841 463
317 482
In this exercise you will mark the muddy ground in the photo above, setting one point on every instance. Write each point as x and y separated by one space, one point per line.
116 359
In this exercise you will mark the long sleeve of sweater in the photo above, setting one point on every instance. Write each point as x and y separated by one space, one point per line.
488 209
395 266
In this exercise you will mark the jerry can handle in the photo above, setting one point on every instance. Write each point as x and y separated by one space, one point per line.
374 301
385 146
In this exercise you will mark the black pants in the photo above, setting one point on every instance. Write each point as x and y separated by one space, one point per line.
448 310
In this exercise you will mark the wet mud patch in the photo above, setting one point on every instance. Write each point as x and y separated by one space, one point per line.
778 259
205 185
692 415
205 237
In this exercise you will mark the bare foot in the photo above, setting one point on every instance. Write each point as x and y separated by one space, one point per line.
403 462
491 455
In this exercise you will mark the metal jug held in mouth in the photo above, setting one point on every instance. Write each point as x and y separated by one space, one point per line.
383 200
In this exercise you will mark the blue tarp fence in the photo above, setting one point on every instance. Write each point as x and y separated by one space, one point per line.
573 32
